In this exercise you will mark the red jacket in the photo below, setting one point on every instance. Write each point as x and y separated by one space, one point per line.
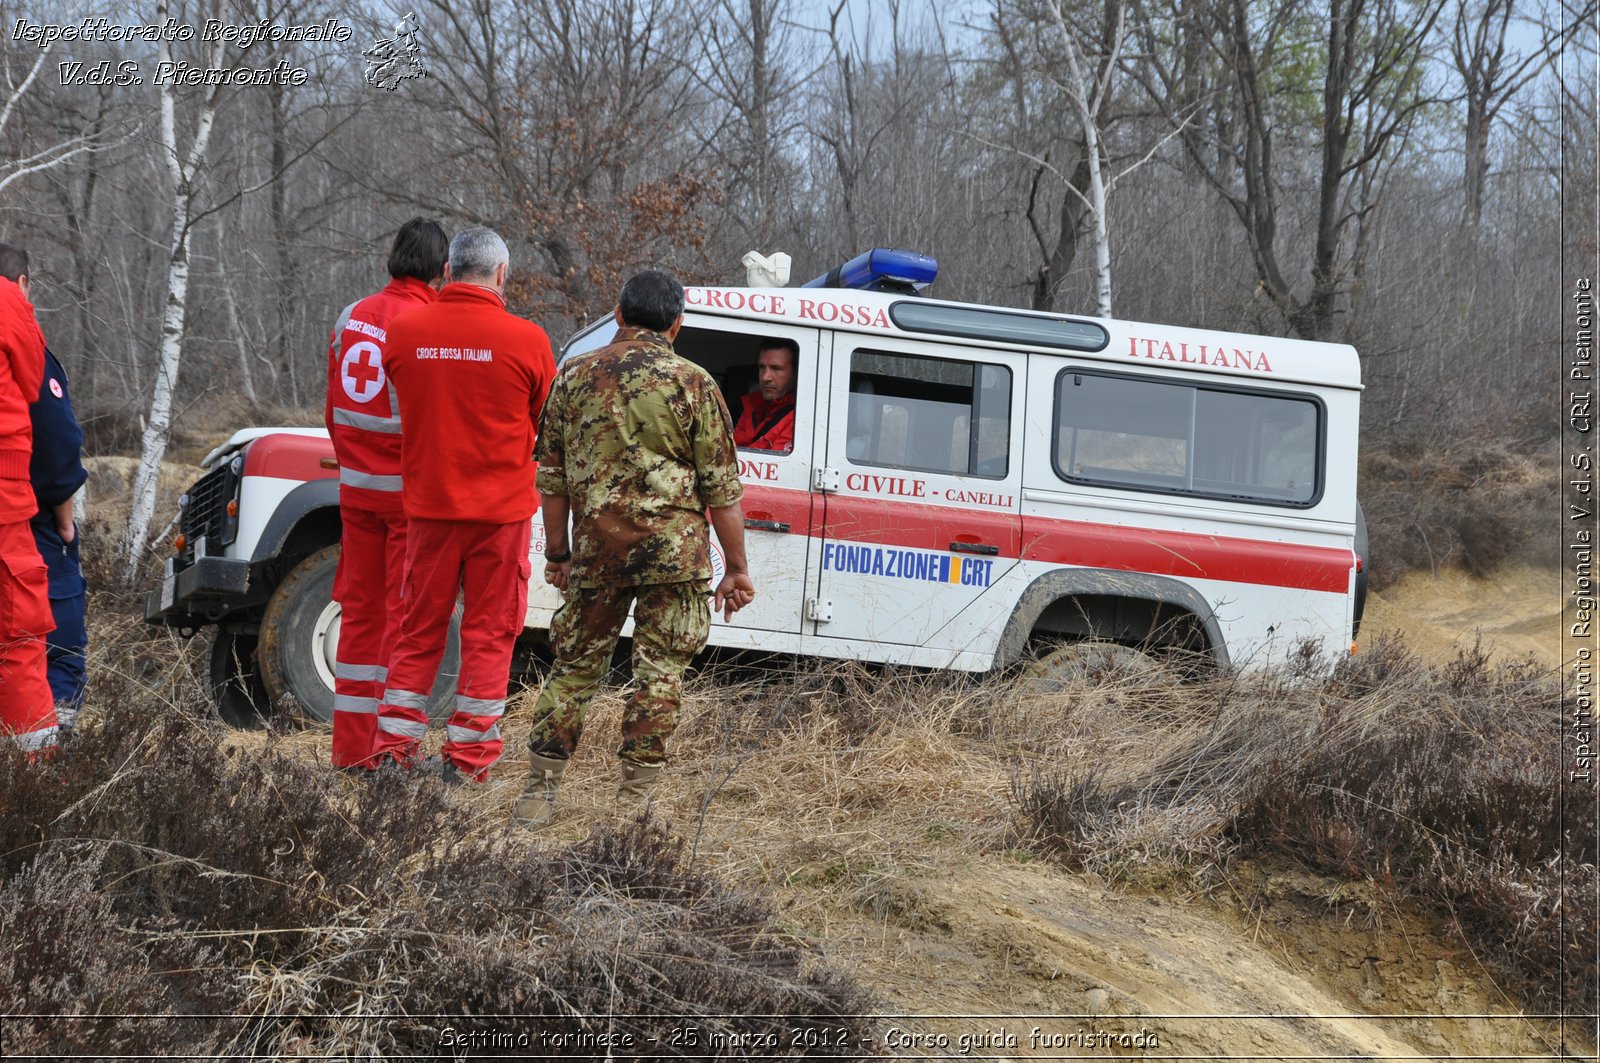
766 426
472 380
361 413
21 374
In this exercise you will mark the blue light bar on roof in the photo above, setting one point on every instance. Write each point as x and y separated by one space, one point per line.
883 269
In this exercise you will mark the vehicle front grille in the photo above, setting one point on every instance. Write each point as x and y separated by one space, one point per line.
207 512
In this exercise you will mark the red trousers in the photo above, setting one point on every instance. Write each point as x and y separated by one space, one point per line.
488 565
27 709
372 555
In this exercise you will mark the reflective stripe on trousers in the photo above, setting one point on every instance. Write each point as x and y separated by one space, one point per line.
33 741
370 481
367 588
368 673
488 565
355 703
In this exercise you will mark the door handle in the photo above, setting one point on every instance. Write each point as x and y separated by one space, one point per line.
972 548
766 525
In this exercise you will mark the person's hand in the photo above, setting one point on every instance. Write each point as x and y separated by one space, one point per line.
733 594
558 573
64 524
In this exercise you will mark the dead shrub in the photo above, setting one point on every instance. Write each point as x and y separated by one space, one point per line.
337 918
76 983
1070 813
1441 783
1470 502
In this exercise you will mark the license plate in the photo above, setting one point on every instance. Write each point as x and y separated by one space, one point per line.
169 592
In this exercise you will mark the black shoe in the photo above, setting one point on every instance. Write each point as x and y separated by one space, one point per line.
445 768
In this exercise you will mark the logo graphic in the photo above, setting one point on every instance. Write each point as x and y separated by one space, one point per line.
361 372
919 565
55 387
396 59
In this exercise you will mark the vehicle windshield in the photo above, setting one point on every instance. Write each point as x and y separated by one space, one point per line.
591 338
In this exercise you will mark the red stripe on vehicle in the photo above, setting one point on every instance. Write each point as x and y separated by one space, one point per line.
290 457
762 502
1184 555
1188 556
851 518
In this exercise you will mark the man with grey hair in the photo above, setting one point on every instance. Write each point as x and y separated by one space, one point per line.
471 379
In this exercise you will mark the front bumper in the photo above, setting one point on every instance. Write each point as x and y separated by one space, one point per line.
199 594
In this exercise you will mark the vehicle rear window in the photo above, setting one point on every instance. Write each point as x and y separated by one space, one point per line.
1144 434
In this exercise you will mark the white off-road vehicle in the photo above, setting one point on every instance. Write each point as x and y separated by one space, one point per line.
968 484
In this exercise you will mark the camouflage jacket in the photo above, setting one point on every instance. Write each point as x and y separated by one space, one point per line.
640 442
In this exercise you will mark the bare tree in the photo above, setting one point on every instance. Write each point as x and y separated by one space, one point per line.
1033 131
752 68
183 168
562 115
1371 95
1492 71
19 79
1089 88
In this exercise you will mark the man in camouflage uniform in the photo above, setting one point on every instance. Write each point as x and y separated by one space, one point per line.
637 445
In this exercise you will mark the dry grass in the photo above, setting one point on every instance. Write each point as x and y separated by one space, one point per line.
169 867
1441 785
233 873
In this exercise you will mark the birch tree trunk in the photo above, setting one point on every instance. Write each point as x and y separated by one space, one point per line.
1088 97
158 428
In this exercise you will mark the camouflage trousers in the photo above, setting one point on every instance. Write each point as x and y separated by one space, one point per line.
670 624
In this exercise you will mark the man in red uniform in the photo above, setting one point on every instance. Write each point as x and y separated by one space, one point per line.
364 421
27 710
472 380
767 422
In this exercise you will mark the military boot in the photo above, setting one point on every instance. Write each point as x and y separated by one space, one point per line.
638 780
538 801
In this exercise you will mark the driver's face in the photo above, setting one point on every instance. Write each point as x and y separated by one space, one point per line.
775 371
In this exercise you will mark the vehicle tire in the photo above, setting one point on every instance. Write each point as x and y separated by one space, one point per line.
1090 662
300 635
236 688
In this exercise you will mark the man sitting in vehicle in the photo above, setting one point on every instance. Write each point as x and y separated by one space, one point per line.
767 422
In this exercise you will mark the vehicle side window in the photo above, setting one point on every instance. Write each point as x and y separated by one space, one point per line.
728 354
1159 435
929 414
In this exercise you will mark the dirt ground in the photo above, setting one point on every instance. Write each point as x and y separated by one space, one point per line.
978 950
1517 612
1048 964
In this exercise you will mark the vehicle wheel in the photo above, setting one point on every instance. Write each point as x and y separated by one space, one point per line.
300 637
236 688
1077 664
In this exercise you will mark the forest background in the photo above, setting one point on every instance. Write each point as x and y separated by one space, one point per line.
1403 175
1415 177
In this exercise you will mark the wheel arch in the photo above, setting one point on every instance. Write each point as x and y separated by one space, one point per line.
305 521
1067 586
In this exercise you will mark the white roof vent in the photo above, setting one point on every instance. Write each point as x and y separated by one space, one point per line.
766 271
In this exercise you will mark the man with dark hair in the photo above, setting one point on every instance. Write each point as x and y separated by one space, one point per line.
471 378
364 421
56 472
767 422
27 711
636 446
